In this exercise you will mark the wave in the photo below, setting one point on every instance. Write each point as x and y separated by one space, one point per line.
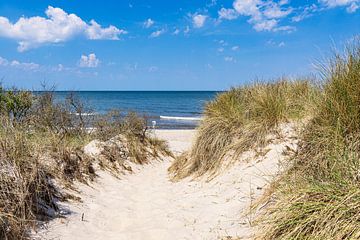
85 114
182 118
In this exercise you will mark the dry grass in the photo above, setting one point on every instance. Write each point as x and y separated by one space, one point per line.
240 119
319 198
41 148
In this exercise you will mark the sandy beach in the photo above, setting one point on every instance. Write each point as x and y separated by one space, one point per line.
147 205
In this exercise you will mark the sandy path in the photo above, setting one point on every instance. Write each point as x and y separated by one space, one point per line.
146 205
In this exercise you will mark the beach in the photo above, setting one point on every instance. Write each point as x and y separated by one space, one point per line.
148 205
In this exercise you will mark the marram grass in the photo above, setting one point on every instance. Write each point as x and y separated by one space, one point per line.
319 198
240 119
41 149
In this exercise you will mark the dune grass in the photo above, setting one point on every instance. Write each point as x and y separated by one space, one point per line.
320 196
240 119
41 152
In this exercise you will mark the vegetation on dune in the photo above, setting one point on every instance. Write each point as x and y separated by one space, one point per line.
240 119
41 149
320 196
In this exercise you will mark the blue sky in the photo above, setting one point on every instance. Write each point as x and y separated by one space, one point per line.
167 45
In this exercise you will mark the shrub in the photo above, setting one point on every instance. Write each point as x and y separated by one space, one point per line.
41 141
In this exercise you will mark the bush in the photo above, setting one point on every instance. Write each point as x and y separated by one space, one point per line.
15 104
41 143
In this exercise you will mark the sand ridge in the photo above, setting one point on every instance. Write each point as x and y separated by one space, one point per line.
147 205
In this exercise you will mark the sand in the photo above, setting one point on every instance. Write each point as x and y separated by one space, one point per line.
146 205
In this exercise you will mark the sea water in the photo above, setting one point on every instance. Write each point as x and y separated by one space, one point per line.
169 109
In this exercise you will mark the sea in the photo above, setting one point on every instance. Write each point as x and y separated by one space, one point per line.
164 109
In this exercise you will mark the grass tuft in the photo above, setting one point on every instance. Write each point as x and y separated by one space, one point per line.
320 196
240 119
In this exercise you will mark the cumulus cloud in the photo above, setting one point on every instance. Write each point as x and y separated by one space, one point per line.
17 64
352 5
157 33
199 20
148 23
90 61
263 15
235 48
57 26
95 32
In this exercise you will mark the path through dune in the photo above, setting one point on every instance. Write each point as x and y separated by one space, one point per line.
147 205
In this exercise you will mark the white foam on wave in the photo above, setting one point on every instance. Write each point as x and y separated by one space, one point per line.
85 114
182 118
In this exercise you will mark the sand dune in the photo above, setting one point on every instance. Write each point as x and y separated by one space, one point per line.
147 205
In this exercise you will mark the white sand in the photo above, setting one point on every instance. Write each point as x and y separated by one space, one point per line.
146 205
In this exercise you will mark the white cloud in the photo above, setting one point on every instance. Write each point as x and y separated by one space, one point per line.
306 12
3 61
336 3
274 11
247 7
352 5
17 64
157 33
288 29
153 69
272 43
148 23
229 59
209 66
228 14
222 42
57 26
281 44
95 32
212 3
283 2
90 61
220 49
176 31
265 25
187 30
199 20
263 15
59 68
352 8
235 48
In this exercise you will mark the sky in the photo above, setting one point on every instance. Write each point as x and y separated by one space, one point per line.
168 45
